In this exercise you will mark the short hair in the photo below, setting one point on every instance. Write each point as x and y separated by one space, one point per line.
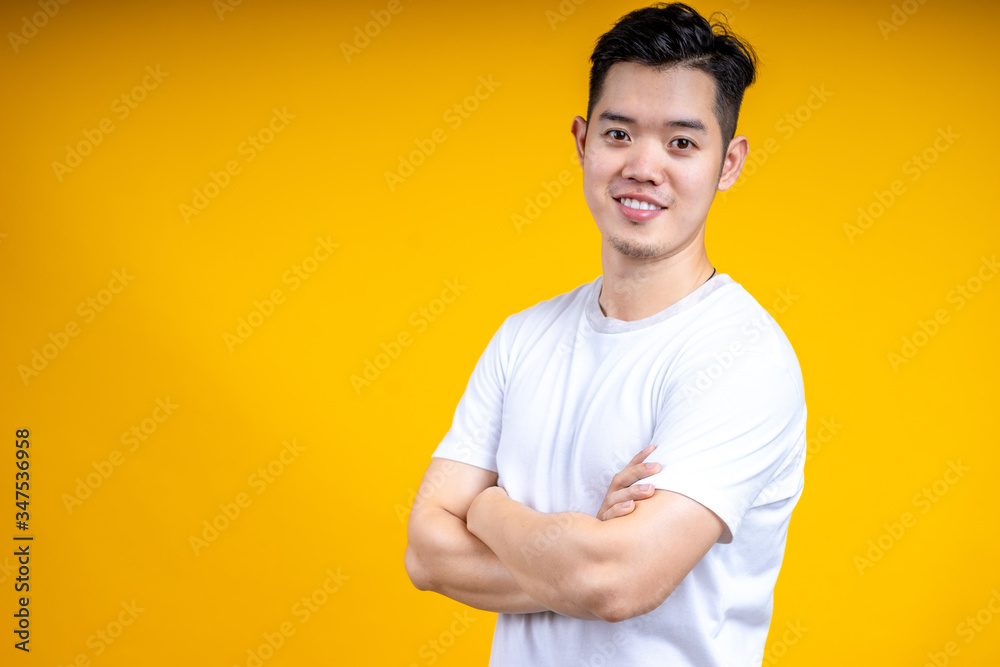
674 35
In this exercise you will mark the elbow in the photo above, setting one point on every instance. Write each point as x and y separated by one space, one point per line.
613 607
614 611
422 558
613 597
419 544
415 570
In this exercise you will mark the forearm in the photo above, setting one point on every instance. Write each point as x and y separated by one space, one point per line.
552 557
579 566
443 556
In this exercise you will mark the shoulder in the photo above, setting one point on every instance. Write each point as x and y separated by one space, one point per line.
568 306
733 325
733 347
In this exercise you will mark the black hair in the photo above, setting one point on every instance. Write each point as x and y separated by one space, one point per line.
674 35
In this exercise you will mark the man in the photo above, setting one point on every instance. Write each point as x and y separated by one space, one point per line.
520 510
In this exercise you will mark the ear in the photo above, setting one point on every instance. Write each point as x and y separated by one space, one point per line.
579 131
732 164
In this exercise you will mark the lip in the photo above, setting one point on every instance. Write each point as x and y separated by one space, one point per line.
634 214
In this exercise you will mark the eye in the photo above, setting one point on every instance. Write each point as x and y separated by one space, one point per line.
683 143
617 135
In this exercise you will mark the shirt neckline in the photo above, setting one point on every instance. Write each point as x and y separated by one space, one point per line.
603 324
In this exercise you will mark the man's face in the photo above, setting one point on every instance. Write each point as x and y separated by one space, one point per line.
653 141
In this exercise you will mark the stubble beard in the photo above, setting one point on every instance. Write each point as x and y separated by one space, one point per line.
634 249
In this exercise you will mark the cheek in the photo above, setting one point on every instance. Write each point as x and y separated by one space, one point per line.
594 185
698 184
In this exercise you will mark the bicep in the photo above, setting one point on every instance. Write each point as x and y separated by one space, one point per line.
658 545
451 486
725 445
680 529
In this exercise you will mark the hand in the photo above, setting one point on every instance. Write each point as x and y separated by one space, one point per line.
622 496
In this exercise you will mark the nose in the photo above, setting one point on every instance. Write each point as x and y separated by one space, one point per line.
645 162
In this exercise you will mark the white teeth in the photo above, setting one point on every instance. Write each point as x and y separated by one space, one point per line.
641 205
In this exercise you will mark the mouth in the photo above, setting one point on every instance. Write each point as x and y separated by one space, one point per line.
638 204
638 210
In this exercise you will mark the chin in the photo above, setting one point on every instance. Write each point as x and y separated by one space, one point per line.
634 248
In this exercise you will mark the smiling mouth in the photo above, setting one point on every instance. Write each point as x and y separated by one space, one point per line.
638 205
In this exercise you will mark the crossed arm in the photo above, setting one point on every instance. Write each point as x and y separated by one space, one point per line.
469 541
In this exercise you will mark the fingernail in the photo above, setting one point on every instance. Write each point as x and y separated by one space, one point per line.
651 466
626 504
645 487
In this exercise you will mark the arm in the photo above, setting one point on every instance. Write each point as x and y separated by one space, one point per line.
587 568
443 556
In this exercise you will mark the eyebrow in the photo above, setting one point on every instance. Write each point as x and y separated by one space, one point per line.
687 123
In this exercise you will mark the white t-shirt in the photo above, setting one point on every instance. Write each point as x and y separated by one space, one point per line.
563 397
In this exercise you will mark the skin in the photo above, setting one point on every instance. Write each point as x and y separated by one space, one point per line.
653 136
637 143
443 556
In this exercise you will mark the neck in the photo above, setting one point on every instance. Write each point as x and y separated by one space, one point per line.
634 289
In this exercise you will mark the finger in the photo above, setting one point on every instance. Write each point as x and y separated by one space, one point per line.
641 456
616 499
628 475
617 510
644 470
633 474
636 492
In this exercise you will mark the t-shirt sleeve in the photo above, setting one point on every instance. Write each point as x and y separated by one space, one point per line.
729 427
475 429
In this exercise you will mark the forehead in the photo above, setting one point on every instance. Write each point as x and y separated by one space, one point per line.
655 96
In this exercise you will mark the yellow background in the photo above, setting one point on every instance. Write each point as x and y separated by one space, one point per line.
846 301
